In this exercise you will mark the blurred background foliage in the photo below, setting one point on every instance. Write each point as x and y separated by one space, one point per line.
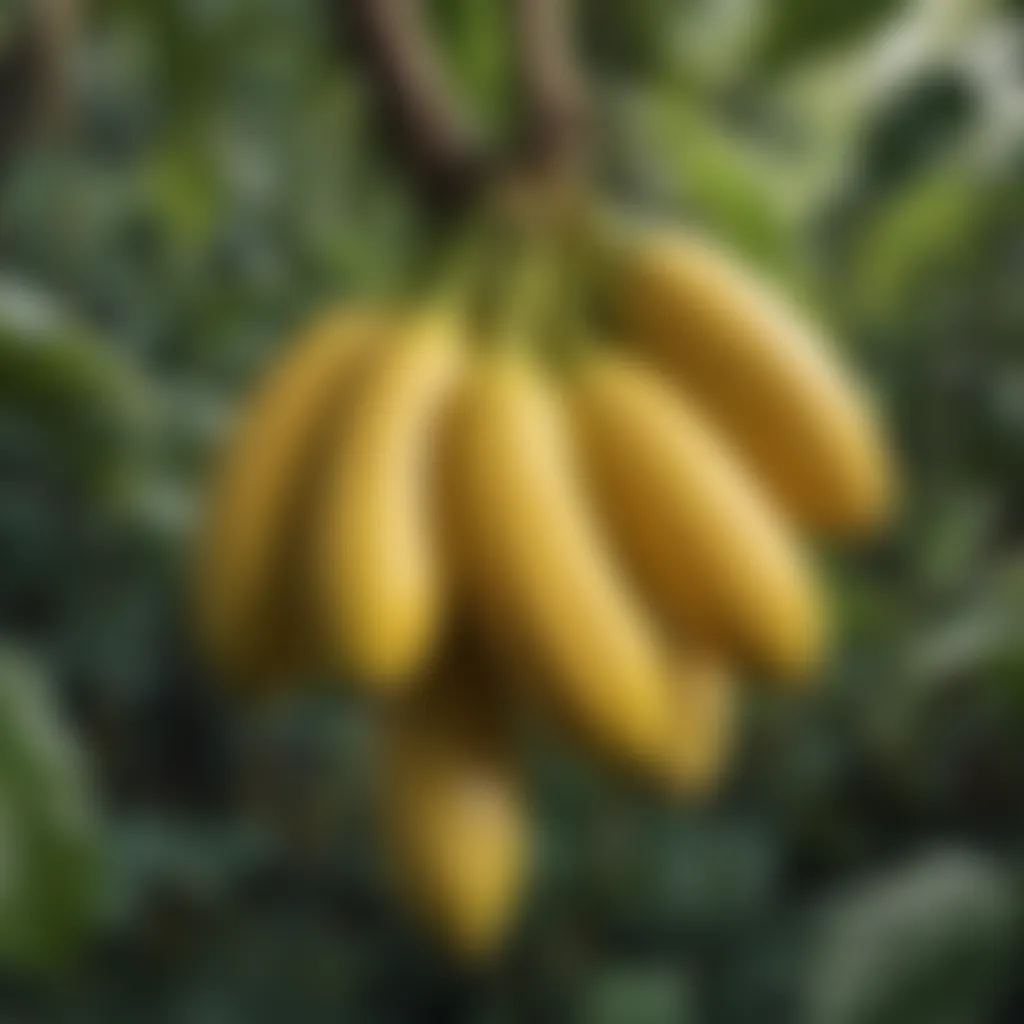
169 855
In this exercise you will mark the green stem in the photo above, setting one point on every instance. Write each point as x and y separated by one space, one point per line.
573 326
524 313
453 290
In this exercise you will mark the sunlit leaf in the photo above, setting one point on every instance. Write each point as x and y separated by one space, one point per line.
737 188
922 228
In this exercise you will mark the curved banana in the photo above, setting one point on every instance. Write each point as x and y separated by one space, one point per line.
704 724
454 814
378 564
763 374
535 565
717 559
250 615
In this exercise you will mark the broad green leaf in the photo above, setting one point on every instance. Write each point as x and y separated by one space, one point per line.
83 394
919 230
797 30
927 943
49 854
741 190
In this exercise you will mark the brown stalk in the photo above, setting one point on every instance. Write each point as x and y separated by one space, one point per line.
420 112
556 116
428 126
35 73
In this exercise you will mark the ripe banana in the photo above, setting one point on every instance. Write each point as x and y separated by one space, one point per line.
763 374
534 563
453 813
378 565
250 614
704 722
717 559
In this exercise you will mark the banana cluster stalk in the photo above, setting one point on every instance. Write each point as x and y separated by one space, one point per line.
619 531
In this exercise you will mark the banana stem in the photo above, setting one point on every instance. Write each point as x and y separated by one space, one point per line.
577 299
455 288
525 310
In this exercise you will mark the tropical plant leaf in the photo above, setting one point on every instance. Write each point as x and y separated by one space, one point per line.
49 859
918 231
804 29
82 394
927 943
48 358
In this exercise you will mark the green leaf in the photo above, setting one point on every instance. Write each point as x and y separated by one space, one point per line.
801 29
729 181
982 635
918 231
49 855
735 187
641 995
84 395
926 944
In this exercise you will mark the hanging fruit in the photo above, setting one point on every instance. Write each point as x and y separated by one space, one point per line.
453 811
594 452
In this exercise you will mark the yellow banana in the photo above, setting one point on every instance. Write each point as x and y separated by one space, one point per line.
378 565
454 815
250 615
535 565
703 725
716 557
763 374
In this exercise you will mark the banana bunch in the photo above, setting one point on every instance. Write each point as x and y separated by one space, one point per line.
611 527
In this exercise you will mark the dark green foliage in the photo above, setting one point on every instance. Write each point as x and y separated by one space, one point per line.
809 28
863 865
634 38
50 845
